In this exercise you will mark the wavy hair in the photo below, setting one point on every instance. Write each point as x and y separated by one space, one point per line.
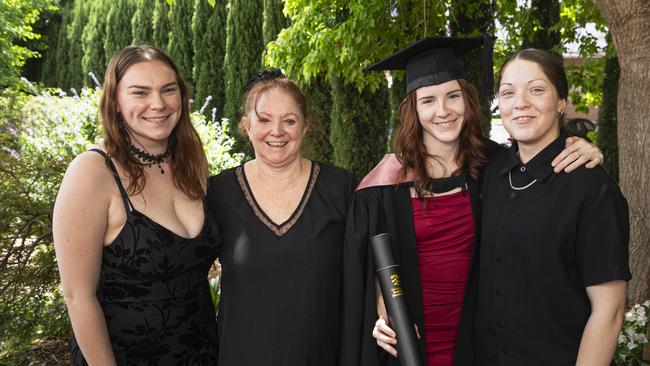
409 143
188 161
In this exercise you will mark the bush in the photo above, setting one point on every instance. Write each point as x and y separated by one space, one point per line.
40 133
633 337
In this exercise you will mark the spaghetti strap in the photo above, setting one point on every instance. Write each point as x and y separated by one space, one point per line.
125 198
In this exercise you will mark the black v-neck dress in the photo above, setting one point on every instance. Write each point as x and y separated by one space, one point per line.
154 293
281 284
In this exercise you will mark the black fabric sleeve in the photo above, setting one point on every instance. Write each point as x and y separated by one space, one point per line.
359 309
603 235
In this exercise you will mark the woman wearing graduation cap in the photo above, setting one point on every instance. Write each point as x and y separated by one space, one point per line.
426 196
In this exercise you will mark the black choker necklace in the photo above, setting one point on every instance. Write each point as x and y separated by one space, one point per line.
150 159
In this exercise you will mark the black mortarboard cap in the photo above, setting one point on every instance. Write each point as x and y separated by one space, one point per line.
434 60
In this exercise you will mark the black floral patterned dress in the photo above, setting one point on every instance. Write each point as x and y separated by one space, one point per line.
154 293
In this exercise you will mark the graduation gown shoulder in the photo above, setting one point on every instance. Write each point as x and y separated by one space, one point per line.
387 209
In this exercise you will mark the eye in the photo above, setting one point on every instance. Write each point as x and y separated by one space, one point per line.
138 92
454 96
169 90
289 121
264 119
426 101
537 90
506 93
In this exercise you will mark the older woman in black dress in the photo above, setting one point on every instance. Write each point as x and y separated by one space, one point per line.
283 219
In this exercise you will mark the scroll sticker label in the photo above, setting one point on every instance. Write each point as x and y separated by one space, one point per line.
397 289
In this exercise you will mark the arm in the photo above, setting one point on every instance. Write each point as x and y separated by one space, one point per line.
577 152
604 325
79 223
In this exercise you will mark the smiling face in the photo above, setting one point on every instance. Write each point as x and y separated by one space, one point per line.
149 100
276 128
441 112
529 105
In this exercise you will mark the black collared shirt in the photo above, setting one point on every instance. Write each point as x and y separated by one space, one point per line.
542 243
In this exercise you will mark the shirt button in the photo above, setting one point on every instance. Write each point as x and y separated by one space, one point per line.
502 352
500 227
513 195
522 169
498 292
498 259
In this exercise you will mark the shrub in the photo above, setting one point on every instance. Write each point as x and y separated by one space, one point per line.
633 337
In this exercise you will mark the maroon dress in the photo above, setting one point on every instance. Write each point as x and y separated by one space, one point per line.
444 232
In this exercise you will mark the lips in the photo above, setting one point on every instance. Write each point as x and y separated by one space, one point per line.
277 143
158 119
445 123
522 119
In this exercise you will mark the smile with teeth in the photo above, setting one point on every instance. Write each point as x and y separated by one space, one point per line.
156 119
277 143
444 123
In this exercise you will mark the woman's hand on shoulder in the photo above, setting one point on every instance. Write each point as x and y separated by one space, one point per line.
577 152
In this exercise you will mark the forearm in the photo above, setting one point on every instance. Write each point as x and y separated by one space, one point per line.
91 333
599 338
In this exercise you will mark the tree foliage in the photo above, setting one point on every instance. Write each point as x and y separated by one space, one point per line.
95 59
118 27
607 136
142 23
180 37
244 27
209 39
17 16
160 24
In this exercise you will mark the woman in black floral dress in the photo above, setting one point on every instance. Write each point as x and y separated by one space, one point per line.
133 241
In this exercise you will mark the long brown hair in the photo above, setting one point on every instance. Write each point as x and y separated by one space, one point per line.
188 162
409 143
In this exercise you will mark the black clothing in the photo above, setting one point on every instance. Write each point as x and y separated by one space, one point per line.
541 246
388 209
281 284
153 290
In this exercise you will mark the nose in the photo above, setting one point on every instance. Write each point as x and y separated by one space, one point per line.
521 101
156 102
277 128
441 109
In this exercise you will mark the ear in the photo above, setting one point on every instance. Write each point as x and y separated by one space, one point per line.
561 106
246 125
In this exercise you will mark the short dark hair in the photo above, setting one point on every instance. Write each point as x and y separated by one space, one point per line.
550 64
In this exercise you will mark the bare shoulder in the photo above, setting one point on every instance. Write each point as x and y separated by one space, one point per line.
87 175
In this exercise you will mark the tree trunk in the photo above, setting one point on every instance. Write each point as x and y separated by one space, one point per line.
629 24
607 139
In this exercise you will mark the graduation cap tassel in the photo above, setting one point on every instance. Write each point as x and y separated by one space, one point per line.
487 76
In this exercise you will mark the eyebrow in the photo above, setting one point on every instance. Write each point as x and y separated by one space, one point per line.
149 88
431 96
529 81
283 116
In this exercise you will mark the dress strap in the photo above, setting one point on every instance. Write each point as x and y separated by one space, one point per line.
125 197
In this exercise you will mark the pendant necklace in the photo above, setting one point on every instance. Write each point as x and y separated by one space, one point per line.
519 188
150 159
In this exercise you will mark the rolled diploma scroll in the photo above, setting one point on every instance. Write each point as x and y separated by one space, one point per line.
387 271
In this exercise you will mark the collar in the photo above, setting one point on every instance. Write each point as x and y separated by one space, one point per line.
539 167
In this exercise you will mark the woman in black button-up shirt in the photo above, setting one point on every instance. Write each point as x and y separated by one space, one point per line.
554 249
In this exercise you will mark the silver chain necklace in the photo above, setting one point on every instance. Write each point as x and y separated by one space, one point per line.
519 188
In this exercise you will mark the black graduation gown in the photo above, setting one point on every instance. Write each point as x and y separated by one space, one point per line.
381 209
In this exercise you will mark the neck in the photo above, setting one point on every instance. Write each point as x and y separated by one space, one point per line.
528 150
446 156
283 173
